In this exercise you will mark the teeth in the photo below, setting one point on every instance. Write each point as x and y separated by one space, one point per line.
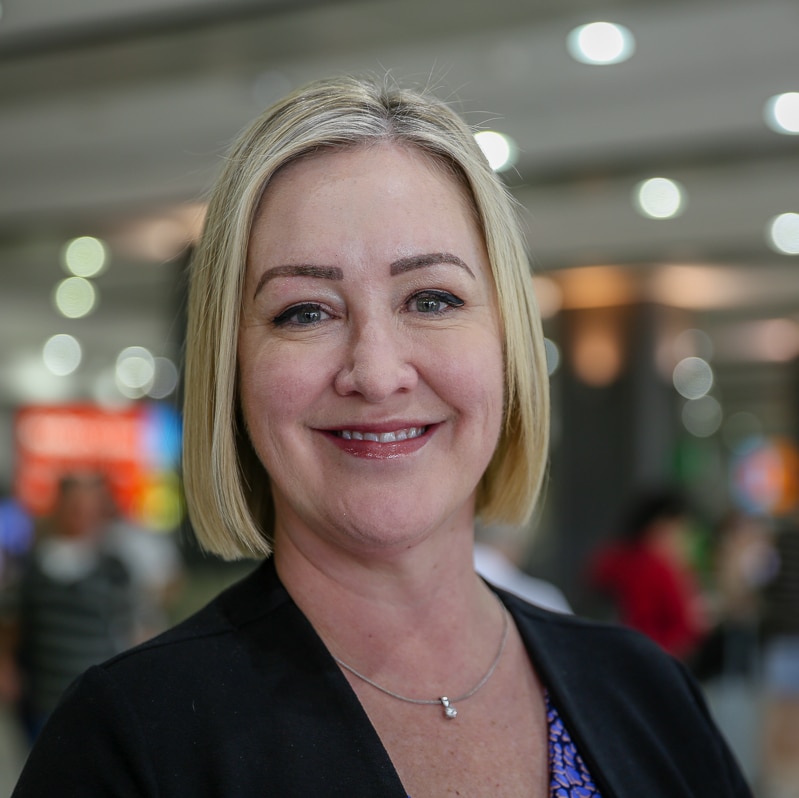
383 437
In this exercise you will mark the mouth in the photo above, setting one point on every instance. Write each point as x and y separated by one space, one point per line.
381 442
392 436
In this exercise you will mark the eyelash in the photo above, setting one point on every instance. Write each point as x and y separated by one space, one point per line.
440 296
288 317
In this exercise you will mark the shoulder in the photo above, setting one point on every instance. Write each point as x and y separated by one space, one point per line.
223 623
201 704
617 692
604 665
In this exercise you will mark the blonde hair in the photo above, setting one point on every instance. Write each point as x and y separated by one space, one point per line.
227 489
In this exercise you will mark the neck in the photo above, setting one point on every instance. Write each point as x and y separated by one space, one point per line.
401 617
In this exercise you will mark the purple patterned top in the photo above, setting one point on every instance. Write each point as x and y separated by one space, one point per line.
568 774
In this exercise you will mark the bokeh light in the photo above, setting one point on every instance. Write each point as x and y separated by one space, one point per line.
85 256
781 113
702 417
62 354
75 297
553 356
764 476
165 378
135 371
499 149
659 198
692 377
601 43
597 356
783 233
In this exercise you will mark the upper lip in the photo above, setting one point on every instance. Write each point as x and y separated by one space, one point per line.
377 427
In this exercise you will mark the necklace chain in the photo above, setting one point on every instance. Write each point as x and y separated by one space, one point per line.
450 711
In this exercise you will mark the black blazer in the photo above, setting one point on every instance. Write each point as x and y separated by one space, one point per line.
243 699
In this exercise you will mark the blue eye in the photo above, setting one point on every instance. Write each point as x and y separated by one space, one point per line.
300 315
432 302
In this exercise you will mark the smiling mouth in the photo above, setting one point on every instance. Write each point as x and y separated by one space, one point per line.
382 437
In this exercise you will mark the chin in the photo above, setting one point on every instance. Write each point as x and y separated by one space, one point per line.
396 530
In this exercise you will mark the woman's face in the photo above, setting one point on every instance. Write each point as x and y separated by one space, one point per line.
370 354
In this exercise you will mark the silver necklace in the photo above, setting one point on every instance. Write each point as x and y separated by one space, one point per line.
448 704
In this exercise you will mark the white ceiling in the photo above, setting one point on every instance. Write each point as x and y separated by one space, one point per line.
114 116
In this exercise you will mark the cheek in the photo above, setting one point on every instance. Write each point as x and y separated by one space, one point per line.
276 384
474 378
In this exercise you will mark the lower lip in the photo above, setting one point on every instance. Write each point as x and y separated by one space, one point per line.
374 450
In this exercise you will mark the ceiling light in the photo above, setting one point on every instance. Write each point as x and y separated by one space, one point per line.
61 354
499 149
553 356
783 233
692 377
85 256
135 370
782 113
75 297
601 43
659 198
702 417
165 378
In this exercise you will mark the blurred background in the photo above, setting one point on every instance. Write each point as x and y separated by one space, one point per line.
654 157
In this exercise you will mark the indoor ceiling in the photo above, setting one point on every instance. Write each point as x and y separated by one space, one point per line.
115 116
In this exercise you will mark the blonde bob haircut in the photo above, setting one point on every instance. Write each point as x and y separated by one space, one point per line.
227 489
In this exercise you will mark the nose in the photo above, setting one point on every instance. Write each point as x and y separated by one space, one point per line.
377 362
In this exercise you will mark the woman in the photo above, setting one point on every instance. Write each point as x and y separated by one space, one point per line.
365 374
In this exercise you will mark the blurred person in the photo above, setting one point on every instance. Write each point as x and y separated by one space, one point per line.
365 377
728 662
649 576
743 561
154 564
74 604
498 552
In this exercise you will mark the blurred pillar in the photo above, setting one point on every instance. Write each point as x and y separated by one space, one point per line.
616 428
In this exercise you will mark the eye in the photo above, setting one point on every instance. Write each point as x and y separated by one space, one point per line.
434 302
302 315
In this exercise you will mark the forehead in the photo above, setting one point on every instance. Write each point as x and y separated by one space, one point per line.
383 168
387 197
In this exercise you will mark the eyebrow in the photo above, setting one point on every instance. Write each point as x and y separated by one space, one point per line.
335 273
299 270
429 259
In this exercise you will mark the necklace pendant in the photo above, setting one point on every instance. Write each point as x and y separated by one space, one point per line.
449 711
